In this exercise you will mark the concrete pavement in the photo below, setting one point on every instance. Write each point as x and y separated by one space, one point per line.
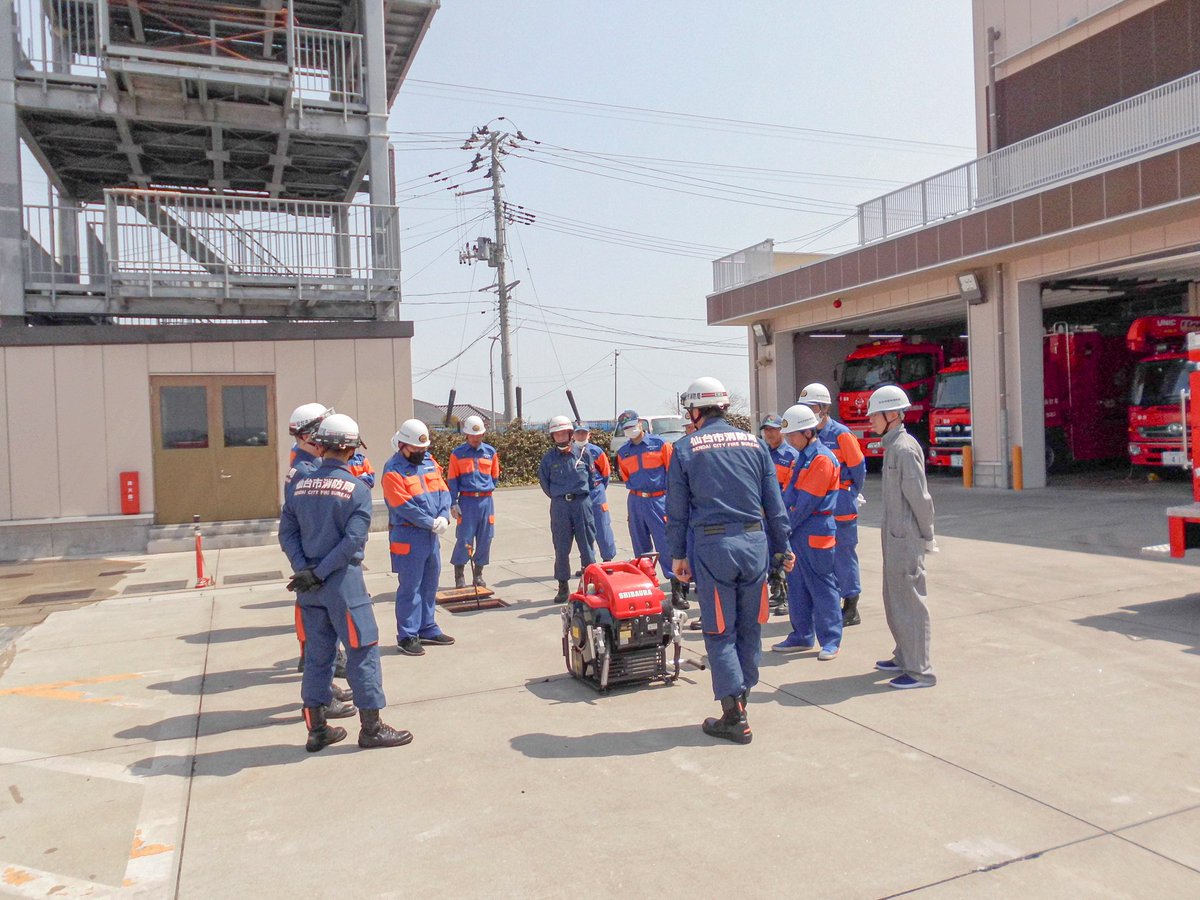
152 742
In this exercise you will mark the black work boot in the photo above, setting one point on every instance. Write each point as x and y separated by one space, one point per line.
375 733
477 575
320 735
850 611
563 593
732 725
460 576
678 600
339 709
344 694
339 663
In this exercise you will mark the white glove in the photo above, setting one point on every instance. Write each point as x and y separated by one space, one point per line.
440 524
456 511
931 546
860 501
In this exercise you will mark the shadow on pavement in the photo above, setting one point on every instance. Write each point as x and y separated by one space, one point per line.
542 612
233 680
222 763
611 743
233 635
1177 620
563 688
828 691
214 723
270 604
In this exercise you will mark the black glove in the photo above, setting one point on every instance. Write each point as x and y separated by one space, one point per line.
304 581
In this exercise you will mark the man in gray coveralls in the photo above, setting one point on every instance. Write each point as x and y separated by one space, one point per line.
907 532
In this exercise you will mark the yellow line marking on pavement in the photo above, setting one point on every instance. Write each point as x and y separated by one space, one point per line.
17 877
56 690
141 848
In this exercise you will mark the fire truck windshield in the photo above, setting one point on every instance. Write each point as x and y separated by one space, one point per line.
868 374
1159 383
953 391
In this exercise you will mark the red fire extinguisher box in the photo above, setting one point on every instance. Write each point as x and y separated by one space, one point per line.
131 495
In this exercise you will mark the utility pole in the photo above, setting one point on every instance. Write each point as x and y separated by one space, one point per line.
502 285
616 353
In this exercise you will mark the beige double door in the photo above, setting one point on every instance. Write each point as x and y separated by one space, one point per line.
214 447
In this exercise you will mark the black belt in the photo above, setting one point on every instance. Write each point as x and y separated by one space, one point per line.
731 529
573 496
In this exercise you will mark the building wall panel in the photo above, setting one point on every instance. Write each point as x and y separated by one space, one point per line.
33 429
169 359
6 472
254 356
376 397
212 357
128 439
83 471
295 383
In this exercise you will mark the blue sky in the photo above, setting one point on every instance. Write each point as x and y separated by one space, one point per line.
896 72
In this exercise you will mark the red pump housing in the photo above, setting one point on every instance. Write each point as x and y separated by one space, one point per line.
625 589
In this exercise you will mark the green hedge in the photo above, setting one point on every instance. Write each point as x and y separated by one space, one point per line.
522 450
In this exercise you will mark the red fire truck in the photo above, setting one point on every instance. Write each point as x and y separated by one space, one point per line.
910 362
1183 522
1155 422
1086 376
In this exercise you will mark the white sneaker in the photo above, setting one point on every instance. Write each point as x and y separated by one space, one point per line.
825 655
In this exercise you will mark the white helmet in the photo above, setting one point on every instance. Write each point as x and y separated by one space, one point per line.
473 425
306 418
704 392
815 394
413 432
888 398
337 432
560 423
799 418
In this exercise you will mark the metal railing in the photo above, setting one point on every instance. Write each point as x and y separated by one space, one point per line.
744 266
60 39
71 39
230 246
327 68
1165 115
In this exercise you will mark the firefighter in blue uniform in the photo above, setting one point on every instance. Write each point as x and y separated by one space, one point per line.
852 475
606 541
472 475
567 477
723 490
784 455
304 457
643 461
418 503
323 530
813 601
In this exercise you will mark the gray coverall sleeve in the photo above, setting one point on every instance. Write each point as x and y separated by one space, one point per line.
916 493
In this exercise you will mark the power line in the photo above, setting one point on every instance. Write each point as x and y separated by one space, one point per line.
714 123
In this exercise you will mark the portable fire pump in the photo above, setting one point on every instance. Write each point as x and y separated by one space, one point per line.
618 625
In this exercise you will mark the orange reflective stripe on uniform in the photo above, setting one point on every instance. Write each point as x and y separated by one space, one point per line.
849 517
822 541
719 613
602 465
398 490
819 478
604 506
629 465
351 631
655 459
667 451
400 549
300 636
764 608
849 451
783 473
491 520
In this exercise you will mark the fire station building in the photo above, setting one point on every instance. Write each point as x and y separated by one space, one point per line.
1083 205
198 233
